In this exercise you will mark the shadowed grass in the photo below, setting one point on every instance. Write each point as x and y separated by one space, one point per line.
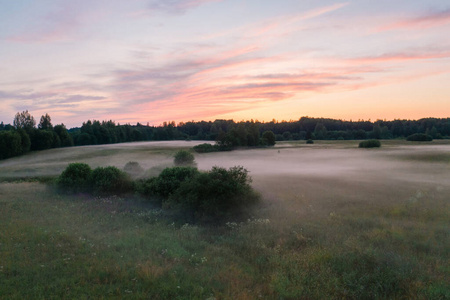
79 246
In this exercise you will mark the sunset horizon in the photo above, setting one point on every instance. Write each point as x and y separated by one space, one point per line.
157 61
224 149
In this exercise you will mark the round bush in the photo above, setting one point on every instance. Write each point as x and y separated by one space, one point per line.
419 137
133 168
215 195
184 158
75 178
370 144
110 180
168 181
309 141
205 148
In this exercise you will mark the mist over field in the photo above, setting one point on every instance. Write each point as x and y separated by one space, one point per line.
335 221
398 164
216 150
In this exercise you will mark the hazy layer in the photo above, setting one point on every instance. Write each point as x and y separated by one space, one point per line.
322 165
54 161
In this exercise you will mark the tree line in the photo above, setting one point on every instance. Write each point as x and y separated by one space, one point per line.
23 136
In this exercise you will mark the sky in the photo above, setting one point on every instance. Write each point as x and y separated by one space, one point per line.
151 61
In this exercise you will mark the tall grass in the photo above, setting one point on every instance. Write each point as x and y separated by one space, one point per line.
59 246
364 233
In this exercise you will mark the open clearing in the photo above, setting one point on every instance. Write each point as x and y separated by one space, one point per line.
336 222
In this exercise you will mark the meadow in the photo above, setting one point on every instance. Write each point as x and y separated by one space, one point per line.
335 222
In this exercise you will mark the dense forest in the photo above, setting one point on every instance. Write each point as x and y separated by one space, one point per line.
23 136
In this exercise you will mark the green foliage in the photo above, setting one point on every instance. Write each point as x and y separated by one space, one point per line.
215 195
419 137
75 178
10 144
79 177
287 136
230 135
170 179
24 120
309 141
45 122
41 139
205 148
56 140
64 136
84 139
184 158
110 180
376 132
320 131
25 140
205 196
370 144
385 276
268 138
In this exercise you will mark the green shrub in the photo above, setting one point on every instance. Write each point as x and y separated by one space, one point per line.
133 169
419 137
370 144
184 158
168 181
309 141
205 148
215 195
75 178
110 180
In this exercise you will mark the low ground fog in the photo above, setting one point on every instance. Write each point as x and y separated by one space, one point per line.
336 222
287 173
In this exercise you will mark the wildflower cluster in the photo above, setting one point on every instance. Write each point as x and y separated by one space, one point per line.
195 260
234 225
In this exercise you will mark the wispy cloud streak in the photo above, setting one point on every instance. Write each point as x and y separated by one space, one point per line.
431 19
55 26
152 67
176 6
401 57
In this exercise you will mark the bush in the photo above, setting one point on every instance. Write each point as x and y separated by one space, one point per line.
215 195
419 137
184 158
110 180
133 169
370 144
205 148
166 183
309 141
75 178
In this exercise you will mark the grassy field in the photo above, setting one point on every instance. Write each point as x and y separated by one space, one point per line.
335 222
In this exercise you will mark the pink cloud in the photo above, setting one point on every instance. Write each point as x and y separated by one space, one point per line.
398 57
56 25
432 19
63 23
176 6
273 25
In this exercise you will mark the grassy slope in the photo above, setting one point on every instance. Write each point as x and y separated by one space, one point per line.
333 233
